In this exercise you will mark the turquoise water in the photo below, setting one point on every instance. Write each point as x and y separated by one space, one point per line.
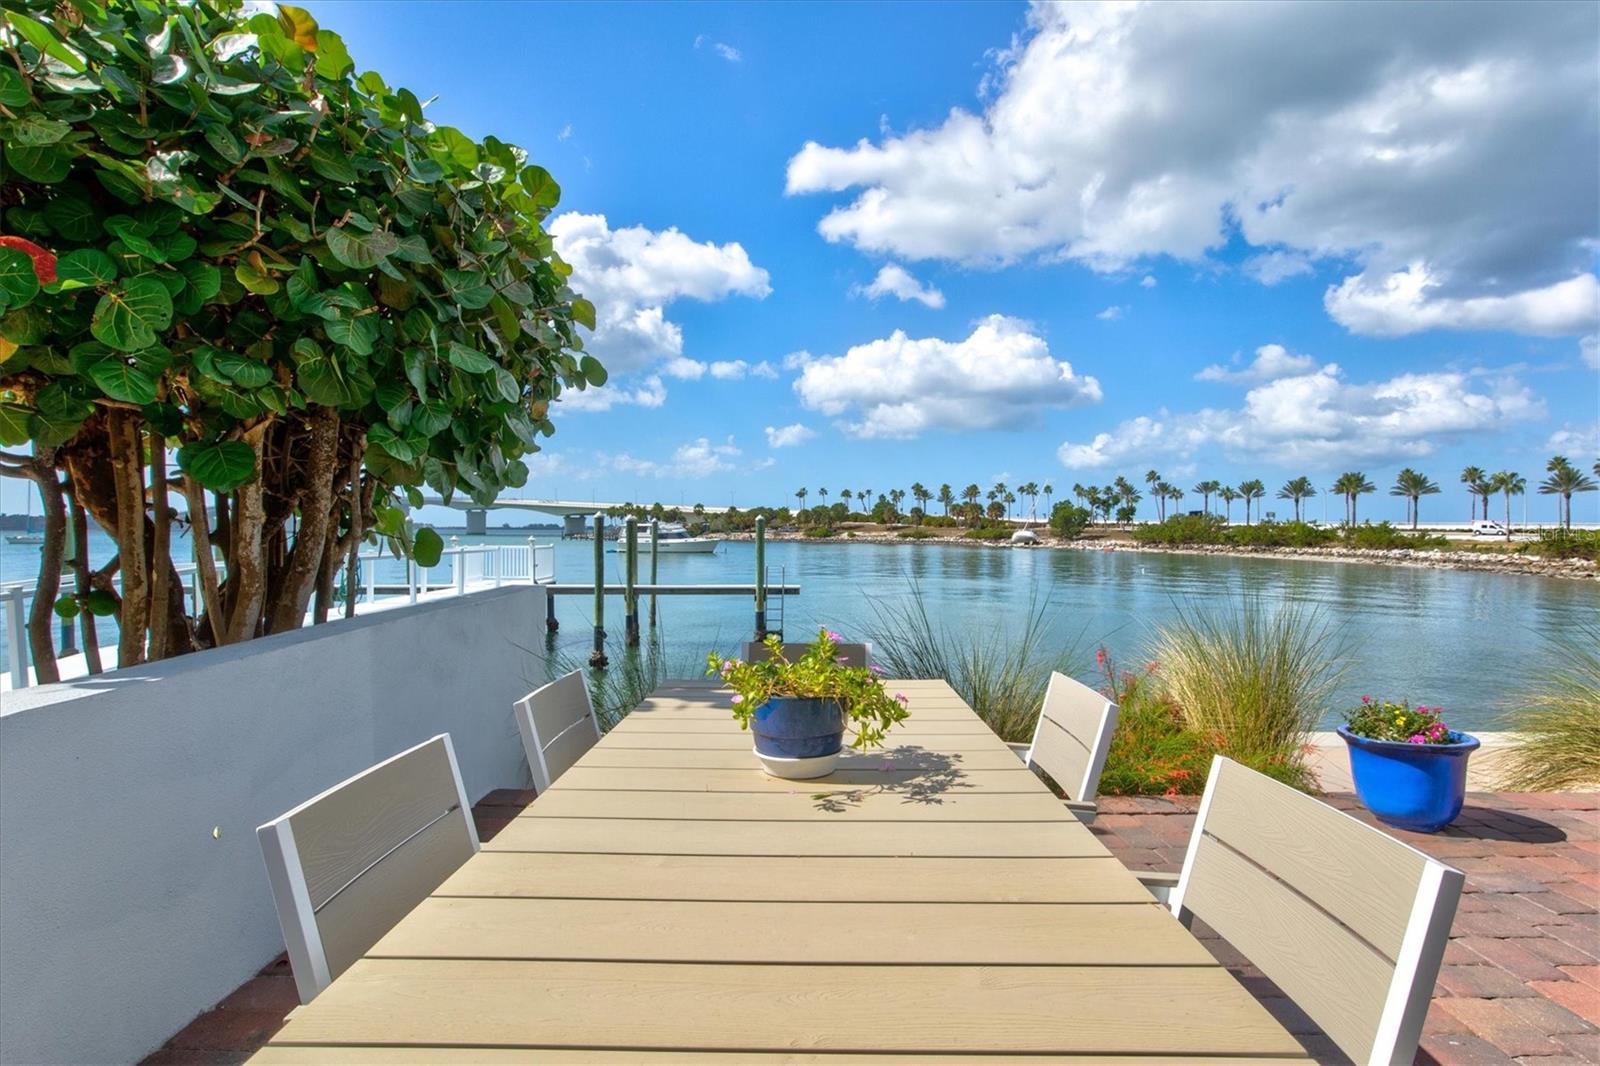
1468 641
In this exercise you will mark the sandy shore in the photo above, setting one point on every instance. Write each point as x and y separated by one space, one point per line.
1442 559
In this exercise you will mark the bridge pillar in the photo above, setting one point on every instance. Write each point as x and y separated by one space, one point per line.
477 522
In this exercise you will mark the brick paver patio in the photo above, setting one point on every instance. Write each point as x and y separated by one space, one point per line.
1521 979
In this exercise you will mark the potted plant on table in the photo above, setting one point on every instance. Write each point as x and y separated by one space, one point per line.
798 710
1409 768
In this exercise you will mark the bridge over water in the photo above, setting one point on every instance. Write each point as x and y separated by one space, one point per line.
567 510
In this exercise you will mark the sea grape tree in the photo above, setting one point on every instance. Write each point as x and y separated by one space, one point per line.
223 245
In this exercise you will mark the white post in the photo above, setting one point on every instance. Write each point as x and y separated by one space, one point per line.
17 641
411 579
461 566
533 562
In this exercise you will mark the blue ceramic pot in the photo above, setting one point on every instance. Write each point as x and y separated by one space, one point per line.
1419 787
793 728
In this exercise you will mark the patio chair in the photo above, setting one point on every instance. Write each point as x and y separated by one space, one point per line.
1349 922
558 725
1071 740
346 865
856 655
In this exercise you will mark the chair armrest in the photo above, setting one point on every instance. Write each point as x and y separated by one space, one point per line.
1160 884
1019 750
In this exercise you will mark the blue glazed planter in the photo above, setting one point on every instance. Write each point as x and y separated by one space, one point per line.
791 728
1419 787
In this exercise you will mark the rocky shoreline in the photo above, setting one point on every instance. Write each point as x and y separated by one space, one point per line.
1444 559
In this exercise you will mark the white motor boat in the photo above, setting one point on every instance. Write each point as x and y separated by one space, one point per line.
673 539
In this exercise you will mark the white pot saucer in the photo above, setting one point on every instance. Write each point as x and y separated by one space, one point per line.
798 769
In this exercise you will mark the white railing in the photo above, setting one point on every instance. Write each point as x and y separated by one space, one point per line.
472 566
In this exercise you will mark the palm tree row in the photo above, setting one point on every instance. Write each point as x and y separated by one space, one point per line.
1121 497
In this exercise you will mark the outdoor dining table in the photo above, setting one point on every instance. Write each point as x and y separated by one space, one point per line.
666 900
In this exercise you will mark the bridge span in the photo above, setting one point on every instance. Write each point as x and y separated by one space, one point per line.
478 514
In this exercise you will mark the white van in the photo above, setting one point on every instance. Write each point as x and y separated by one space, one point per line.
1488 529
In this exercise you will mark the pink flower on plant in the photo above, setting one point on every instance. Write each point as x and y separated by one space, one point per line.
737 698
901 697
875 668
1100 657
1366 699
1417 739
727 667
836 638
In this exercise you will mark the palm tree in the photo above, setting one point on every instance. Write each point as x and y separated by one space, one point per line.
1564 480
895 498
1176 494
1297 489
822 494
1205 489
1227 494
1351 486
845 495
920 493
1413 486
946 497
1153 479
1250 491
800 495
1509 483
971 494
866 494
1049 490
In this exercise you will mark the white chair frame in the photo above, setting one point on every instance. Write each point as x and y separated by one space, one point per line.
1421 951
1081 793
291 893
536 747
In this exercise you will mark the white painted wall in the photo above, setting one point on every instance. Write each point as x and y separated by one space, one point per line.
121 915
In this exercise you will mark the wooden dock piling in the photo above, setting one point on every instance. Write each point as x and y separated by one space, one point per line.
761 577
597 657
655 553
630 598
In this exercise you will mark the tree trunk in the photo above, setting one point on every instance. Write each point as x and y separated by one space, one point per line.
127 461
205 562
80 574
42 615
247 577
161 574
311 539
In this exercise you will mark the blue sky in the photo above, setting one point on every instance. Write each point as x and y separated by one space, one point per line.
1375 225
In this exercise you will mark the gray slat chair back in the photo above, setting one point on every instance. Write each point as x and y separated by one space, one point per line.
558 725
1348 921
1072 736
346 865
854 655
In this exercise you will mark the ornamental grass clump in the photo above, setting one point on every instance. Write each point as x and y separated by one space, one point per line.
1557 730
819 674
1257 681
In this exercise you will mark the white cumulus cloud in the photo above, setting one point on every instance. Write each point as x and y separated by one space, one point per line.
788 436
632 274
647 392
1272 361
1112 313
1321 417
698 458
1001 375
895 280
1457 140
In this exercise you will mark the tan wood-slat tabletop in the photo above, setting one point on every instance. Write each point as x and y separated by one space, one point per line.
667 901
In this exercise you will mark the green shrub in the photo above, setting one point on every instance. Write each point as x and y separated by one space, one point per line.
1559 543
1256 682
1068 520
1280 535
1183 529
914 534
819 531
1152 751
1557 731
1385 536
989 533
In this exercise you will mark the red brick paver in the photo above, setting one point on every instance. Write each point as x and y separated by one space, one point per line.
1521 976
1520 983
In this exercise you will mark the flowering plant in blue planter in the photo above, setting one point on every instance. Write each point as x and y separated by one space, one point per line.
1409 768
798 709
